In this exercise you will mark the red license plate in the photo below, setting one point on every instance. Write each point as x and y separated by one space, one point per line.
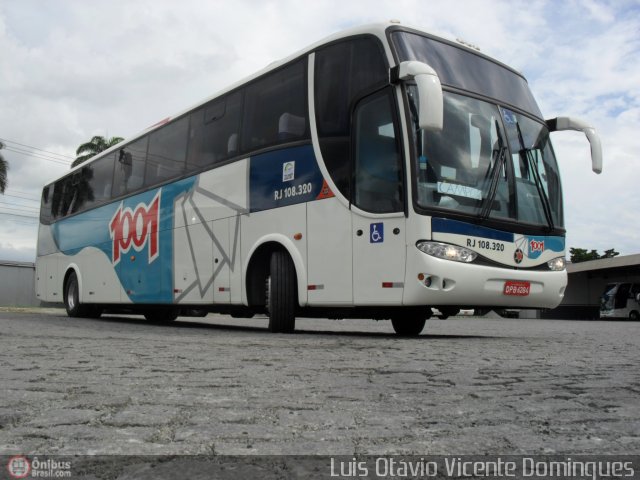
516 289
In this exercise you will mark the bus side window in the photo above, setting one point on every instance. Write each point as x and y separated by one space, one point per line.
45 205
167 152
275 102
213 132
56 199
344 72
377 166
99 176
130 165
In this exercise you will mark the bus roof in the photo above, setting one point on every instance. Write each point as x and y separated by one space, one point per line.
377 29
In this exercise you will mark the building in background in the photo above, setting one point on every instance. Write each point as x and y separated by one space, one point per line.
587 281
17 284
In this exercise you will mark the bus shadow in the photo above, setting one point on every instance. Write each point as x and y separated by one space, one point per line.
202 325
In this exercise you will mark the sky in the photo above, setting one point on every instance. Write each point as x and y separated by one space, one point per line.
72 69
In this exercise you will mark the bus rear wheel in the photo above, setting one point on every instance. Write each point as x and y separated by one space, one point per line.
72 300
161 314
281 299
408 327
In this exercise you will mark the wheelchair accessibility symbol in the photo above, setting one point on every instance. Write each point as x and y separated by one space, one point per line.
376 233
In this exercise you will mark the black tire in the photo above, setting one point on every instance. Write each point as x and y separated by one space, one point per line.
194 312
71 296
281 298
448 312
94 312
634 315
408 327
161 314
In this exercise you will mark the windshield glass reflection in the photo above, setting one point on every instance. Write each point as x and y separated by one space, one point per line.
487 162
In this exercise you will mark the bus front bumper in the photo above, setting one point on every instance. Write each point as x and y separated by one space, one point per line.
436 282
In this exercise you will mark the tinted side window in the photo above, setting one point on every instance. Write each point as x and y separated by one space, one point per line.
56 200
167 152
129 171
45 205
63 197
276 109
214 132
344 72
378 167
81 194
97 181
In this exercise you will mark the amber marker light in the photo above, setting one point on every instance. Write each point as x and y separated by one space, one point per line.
297 236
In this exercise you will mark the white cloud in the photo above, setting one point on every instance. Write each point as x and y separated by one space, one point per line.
73 69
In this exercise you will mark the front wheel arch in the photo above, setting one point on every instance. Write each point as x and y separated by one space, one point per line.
258 266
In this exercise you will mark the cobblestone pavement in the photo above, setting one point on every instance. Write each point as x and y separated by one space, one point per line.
120 385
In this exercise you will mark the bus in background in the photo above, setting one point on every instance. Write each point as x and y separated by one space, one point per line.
621 300
379 173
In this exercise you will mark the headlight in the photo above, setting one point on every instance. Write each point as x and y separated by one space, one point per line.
447 251
557 264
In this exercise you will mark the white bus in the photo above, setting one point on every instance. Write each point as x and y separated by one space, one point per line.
377 174
621 300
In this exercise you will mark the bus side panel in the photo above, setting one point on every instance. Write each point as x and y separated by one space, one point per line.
54 284
207 236
192 256
330 267
46 266
100 284
221 262
41 276
235 267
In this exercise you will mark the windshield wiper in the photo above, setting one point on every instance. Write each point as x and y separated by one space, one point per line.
546 205
497 167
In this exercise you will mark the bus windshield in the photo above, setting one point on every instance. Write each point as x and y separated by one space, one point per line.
462 69
489 161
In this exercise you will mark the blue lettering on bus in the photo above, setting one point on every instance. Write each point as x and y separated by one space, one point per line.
284 177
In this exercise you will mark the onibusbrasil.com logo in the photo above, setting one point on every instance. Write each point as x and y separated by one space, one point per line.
20 466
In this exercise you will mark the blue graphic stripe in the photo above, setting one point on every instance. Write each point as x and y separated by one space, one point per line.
144 280
444 225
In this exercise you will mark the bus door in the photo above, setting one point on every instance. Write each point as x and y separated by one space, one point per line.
378 221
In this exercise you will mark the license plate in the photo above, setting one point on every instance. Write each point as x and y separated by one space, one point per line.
516 289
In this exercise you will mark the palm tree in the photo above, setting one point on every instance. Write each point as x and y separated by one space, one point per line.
4 167
96 145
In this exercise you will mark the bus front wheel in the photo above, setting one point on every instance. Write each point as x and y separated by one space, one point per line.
281 293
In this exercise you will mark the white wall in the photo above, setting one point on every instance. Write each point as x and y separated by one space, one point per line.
17 284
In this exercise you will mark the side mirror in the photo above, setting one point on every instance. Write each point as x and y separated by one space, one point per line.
569 123
430 111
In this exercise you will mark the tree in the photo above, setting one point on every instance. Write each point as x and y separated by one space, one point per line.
610 253
581 255
96 145
4 167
